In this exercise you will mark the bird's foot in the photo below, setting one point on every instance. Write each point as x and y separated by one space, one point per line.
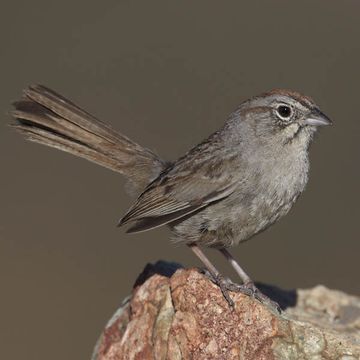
249 289
225 285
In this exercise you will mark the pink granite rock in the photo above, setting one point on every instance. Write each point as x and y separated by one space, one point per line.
186 317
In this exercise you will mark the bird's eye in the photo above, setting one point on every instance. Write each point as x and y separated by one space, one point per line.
284 111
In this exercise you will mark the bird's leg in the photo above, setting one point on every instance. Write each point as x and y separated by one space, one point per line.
215 274
248 285
243 275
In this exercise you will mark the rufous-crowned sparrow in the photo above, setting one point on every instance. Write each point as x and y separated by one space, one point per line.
231 186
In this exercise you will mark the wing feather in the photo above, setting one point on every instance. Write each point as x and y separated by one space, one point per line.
154 222
190 184
159 208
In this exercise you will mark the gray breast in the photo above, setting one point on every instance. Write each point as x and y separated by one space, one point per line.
260 199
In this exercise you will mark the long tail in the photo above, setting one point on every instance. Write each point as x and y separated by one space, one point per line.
48 118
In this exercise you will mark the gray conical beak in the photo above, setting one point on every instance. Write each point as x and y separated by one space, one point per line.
317 118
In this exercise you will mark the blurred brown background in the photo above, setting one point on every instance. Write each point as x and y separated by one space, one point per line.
166 74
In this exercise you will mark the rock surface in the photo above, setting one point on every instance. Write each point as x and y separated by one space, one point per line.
181 314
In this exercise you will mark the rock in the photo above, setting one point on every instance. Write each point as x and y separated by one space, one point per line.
177 313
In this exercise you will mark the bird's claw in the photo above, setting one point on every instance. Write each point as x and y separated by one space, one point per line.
248 289
225 285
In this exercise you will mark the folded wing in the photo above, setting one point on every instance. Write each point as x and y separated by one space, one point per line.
186 187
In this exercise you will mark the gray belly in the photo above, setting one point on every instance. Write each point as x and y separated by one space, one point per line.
257 203
232 220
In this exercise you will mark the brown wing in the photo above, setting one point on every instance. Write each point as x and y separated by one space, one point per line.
187 187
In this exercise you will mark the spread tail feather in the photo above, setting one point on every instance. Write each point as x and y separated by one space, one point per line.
46 117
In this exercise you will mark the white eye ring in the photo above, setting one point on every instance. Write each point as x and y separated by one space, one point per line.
284 112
